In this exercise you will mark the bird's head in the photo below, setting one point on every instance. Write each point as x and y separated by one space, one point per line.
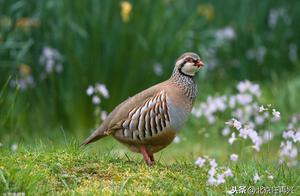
188 64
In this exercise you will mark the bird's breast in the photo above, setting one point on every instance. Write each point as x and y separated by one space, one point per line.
178 114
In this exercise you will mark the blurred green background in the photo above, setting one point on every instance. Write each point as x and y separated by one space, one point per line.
129 46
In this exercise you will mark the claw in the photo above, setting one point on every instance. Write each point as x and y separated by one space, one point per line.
149 158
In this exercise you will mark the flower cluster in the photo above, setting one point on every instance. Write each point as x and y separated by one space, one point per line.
243 106
51 60
275 15
244 133
25 79
219 40
247 115
243 103
209 108
247 129
234 157
227 33
215 177
258 54
288 151
96 92
249 121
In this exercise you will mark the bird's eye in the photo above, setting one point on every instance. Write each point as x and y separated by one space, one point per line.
189 59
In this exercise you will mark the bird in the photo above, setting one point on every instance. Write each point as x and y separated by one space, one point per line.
149 121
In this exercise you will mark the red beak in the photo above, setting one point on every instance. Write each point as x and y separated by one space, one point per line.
199 63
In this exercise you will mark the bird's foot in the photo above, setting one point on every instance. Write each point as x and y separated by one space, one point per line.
149 158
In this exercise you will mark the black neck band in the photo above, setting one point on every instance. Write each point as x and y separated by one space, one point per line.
180 70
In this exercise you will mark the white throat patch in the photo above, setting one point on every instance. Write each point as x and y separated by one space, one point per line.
189 69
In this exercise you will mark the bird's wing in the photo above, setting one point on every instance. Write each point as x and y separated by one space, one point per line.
120 113
146 119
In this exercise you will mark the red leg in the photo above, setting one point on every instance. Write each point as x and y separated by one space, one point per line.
147 158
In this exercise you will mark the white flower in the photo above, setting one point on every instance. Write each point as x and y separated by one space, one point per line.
297 137
232 101
232 138
276 14
266 114
51 59
244 99
276 114
24 82
90 90
212 171
210 107
200 162
96 100
213 163
1 144
262 109
49 52
220 179
212 181
176 139
234 123
256 147
244 132
49 65
288 134
293 153
271 177
260 54
234 157
14 147
59 68
256 177
226 131
196 111
259 120
228 173
157 68
246 85
227 33
243 86
288 152
101 88
103 115
267 136
210 119
239 113
255 90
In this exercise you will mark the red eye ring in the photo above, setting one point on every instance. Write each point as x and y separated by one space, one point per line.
189 59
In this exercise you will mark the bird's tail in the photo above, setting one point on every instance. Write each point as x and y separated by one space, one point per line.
96 135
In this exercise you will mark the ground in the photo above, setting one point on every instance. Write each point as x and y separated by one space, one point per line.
68 169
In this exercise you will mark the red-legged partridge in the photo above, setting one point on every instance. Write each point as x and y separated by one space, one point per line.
149 121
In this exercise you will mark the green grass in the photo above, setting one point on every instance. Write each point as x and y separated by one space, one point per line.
66 169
